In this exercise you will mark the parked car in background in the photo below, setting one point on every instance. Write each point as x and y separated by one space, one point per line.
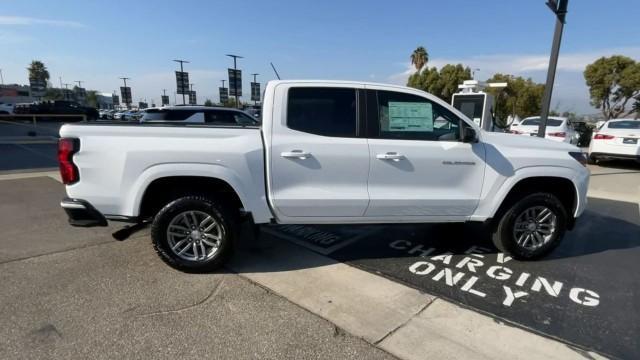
6 108
106 114
131 115
198 115
57 107
616 139
558 129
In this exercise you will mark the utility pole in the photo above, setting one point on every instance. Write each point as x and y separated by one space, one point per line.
184 102
235 83
60 78
559 8
128 103
255 102
79 83
1 78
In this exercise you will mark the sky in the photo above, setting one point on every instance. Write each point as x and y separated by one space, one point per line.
100 41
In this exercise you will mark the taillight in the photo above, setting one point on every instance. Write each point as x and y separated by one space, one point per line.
558 134
603 137
68 171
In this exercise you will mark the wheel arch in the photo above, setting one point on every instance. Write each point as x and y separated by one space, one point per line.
562 187
193 178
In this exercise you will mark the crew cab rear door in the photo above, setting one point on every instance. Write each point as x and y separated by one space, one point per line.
419 165
318 158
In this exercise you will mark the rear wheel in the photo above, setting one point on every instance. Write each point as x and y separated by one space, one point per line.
592 160
532 227
194 234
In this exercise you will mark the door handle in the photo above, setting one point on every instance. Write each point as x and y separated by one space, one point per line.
295 154
390 156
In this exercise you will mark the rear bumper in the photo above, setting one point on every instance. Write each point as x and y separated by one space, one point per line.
82 213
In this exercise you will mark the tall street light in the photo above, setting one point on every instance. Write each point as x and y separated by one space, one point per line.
559 8
184 102
235 83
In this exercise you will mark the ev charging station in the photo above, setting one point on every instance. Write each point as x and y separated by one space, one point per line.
478 105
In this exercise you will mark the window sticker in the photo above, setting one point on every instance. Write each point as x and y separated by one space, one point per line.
410 116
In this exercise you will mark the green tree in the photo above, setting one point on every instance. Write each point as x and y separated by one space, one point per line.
419 58
443 83
92 98
231 102
37 70
208 103
522 97
613 82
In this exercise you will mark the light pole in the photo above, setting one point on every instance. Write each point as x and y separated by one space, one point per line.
79 83
235 83
184 102
559 8
1 78
126 101
255 102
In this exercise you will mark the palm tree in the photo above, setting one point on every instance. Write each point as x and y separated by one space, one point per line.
37 70
419 58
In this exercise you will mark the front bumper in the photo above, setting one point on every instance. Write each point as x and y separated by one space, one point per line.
82 213
603 155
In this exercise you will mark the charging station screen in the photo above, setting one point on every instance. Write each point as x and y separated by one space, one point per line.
470 105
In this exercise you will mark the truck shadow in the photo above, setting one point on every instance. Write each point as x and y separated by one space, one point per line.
606 226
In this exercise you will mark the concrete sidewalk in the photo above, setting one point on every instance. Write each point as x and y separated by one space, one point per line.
399 319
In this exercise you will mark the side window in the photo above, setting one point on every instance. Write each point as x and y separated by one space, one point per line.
214 117
410 117
245 120
322 111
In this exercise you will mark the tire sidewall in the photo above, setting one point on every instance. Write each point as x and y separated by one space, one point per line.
170 211
504 239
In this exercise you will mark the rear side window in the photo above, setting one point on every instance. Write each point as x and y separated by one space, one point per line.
630 124
219 118
322 111
166 115
536 122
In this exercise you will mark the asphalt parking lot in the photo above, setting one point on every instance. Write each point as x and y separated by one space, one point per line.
77 293
72 292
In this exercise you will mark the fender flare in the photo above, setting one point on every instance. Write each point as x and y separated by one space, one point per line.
133 200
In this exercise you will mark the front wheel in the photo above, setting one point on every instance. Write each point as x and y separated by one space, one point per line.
194 234
531 227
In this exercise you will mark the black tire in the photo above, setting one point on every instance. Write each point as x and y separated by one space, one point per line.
228 229
592 160
503 234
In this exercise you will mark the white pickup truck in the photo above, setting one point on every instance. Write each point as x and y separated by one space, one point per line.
327 152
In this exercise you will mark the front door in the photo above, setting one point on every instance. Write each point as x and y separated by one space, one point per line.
419 167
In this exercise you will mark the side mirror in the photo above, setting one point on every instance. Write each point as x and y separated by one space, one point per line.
469 135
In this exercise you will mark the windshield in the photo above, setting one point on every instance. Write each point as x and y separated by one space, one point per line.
536 122
628 124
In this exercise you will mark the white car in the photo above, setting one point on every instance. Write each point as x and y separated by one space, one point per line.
6 109
558 129
326 152
616 139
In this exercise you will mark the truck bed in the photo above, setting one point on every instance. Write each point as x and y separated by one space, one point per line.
118 161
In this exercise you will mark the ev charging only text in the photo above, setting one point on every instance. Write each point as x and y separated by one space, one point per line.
469 273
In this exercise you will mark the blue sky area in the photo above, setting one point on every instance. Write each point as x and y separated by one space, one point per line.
99 41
